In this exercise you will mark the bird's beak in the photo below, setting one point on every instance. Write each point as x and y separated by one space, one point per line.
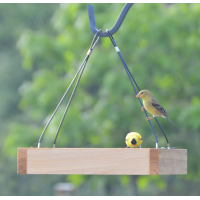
138 95
133 145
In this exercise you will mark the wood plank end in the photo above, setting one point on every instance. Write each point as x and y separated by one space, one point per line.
22 161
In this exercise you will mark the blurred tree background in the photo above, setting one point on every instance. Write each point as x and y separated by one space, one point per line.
41 48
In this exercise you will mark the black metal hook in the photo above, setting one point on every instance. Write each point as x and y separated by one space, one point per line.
116 25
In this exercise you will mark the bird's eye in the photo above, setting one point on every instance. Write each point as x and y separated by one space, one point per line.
142 93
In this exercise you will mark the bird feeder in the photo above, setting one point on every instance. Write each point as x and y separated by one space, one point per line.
104 161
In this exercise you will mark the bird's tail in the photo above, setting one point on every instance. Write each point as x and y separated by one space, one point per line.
169 120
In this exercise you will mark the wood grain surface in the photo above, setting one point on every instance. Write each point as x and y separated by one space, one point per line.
105 161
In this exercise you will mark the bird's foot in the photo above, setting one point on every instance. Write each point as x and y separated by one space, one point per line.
143 108
148 118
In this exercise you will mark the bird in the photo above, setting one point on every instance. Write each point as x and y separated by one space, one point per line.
133 139
152 105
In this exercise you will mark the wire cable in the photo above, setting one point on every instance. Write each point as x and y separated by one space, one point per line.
66 109
130 75
154 117
74 90
81 68
130 78
39 142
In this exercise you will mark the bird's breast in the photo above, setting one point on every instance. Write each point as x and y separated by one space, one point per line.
150 108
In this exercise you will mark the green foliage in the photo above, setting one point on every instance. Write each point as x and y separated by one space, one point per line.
160 45
14 20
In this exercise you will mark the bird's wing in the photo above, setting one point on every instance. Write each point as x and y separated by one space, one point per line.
156 104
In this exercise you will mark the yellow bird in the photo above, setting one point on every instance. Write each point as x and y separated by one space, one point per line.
152 105
133 139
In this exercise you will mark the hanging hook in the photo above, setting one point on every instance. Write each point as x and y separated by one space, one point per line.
116 25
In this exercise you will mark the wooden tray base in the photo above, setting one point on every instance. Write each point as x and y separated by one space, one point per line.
104 161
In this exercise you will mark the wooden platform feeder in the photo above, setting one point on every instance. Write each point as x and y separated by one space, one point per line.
104 161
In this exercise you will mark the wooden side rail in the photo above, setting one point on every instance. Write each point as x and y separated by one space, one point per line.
104 161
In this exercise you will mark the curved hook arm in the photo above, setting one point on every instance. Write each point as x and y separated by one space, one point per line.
116 25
